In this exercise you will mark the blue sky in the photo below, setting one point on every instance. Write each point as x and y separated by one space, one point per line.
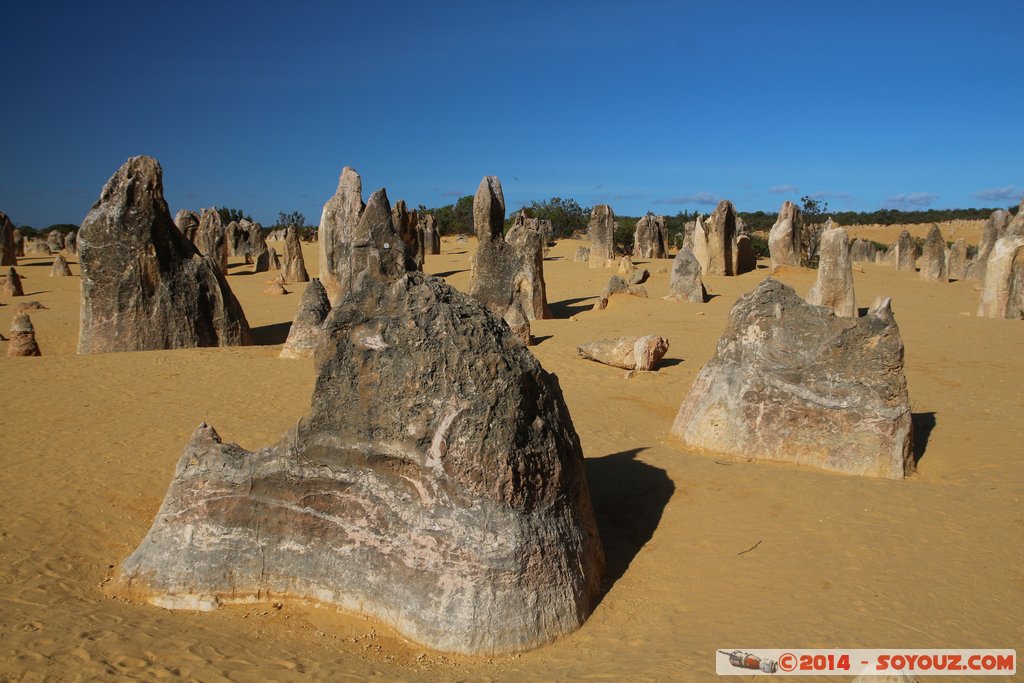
646 106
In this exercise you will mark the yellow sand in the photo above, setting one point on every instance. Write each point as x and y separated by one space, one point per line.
89 444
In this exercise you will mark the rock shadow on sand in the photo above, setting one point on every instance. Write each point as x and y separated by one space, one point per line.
567 307
269 335
629 497
923 424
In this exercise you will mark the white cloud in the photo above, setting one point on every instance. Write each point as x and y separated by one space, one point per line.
784 189
1008 193
911 199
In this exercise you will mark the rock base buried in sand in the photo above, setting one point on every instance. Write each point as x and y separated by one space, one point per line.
307 330
60 267
437 484
631 353
23 337
11 284
794 382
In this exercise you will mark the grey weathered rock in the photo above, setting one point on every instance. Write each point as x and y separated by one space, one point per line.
431 235
862 251
906 252
616 285
793 382
19 245
354 238
995 227
276 289
307 330
784 237
294 264
71 242
685 282
933 257
211 239
60 267
273 260
8 248
625 266
37 246
834 286
55 240
23 337
407 223
744 257
956 264
526 238
1002 294
233 237
631 353
701 249
144 286
495 265
188 223
256 250
602 236
11 285
638 276
437 484
721 234
582 254
650 239
518 323
1016 226
29 306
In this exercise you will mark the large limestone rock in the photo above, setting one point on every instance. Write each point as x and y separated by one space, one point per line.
784 237
527 241
8 248
407 224
11 285
71 242
834 286
1016 226
701 249
294 264
19 244
352 237
495 265
188 223
55 240
933 257
685 282
431 234
995 228
1002 295
602 236
233 238
211 238
906 252
862 251
744 257
793 382
23 337
650 239
307 330
437 484
60 267
956 263
256 251
144 286
273 260
721 236
631 353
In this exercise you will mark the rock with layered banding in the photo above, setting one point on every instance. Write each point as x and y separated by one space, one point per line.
144 286
650 238
685 282
11 284
793 382
294 265
933 257
1002 295
630 353
784 237
602 236
23 337
307 330
60 267
437 484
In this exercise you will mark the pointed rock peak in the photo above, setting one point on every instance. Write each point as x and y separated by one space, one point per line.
882 308
140 176
489 210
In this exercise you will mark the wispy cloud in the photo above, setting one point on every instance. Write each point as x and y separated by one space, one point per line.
696 198
619 197
1008 193
784 189
832 195
910 199
453 193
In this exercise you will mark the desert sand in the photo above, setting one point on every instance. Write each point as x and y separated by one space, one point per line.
89 445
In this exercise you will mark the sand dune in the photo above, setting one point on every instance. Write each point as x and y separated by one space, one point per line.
89 445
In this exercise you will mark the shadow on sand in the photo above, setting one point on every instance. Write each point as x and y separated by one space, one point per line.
268 335
449 273
565 307
629 497
923 424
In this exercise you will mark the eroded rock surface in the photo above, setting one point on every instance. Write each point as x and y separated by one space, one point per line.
784 237
602 236
23 337
60 267
11 284
833 287
933 257
307 330
906 252
1002 295
630 353
650 238
8 247
144 286
294 266
793 382
685 282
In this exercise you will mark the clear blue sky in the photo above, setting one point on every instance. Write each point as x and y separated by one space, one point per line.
646 106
